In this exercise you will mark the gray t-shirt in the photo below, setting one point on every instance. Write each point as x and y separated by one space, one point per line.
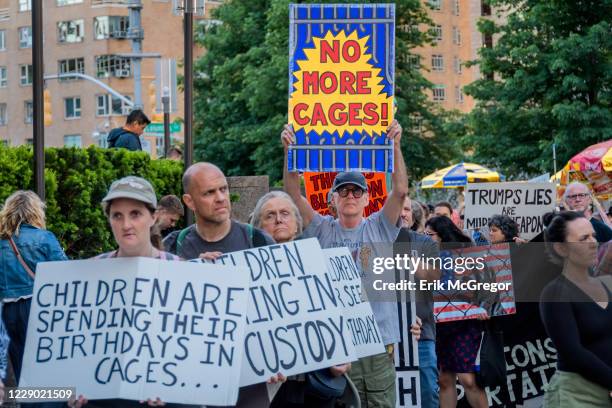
238 239
417 245
374 237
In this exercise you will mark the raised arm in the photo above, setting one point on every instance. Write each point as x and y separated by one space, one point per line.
291 180
393 206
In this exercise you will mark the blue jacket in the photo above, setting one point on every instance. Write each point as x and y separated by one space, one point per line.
120 137
35 245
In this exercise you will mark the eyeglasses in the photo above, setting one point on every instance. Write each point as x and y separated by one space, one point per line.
577 196
357 192
430 233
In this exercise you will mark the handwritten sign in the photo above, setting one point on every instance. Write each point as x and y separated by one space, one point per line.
318 185
360 320
341 78
295 321
526 203
138 328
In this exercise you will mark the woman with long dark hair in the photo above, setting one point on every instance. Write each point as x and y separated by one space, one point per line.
457 343
576 310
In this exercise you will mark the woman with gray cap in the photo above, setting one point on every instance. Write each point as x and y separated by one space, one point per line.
130 207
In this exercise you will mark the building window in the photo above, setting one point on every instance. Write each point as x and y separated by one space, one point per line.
26 74
487 40
414 61
458 94
456 36
458 65
70 31
112 65
435 4
437 62
25 37
456 7
61 3
3 116
111 27
72 107
439 93
72 141
28 108
485 8
71 65
2 40
438 32
25 5
107 105
3 77
100 138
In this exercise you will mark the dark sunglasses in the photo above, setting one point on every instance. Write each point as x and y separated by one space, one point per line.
344 191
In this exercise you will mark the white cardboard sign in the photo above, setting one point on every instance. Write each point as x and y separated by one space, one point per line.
138 328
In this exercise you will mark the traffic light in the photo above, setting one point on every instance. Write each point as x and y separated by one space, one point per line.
48 118
155 117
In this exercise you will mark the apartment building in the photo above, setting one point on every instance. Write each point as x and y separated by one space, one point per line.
457 41
83 36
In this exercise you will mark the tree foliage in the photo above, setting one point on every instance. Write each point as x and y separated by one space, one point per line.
545 80
76 180
241 89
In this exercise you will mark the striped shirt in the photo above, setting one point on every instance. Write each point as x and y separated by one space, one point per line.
166 256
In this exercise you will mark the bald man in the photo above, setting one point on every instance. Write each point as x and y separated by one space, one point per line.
214 233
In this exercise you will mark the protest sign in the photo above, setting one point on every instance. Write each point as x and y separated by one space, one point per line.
408 384
525 203
341 79
295 321
360 320
473 281
137 328
318 185
531 361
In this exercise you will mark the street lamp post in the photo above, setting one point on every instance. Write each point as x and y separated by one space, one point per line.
188 75
37 97
188 8
166 107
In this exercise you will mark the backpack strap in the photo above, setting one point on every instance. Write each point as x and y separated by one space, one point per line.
181 237
259 239
250 233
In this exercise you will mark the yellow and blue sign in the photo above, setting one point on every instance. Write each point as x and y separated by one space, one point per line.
341 80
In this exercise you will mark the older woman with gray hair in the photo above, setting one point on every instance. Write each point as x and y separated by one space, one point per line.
277 214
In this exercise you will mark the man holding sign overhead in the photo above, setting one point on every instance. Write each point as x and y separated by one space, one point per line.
359 234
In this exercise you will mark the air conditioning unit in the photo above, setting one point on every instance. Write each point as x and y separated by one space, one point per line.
119 34
122 73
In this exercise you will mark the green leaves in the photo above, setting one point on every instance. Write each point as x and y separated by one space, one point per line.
76 180
548 80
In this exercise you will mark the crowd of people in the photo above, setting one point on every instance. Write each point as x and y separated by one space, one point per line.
576 308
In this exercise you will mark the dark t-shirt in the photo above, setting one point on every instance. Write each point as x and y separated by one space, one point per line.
580 329
416 245
238 239
603 233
